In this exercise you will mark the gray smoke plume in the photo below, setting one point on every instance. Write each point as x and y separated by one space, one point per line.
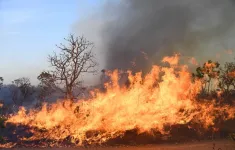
162 27
122 30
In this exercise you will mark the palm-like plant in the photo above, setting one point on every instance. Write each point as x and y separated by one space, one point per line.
210 70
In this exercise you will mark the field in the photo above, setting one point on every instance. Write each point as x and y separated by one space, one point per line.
145 111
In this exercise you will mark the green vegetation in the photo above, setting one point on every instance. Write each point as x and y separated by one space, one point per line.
2 120
210 72
2 140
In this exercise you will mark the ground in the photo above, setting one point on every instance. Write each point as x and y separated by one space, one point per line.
209 145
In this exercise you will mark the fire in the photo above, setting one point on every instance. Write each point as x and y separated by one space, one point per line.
7 145
210 65
165 96
231 74
171 60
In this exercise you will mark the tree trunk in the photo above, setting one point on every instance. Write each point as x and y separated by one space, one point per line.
227 89
69 94
209 84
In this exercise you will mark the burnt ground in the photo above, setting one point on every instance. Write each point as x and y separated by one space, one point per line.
178 134
205 145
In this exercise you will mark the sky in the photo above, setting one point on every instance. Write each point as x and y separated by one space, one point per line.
30 29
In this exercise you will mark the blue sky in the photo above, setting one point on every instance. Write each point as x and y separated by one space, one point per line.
29 30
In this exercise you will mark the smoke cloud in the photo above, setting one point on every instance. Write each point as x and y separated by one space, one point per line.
130 29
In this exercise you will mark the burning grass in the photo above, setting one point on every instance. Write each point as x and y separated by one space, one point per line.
153 104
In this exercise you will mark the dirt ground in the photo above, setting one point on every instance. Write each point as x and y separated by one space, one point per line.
210 145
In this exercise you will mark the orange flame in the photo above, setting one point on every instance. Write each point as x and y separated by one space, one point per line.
171 60
210 65
231 74
165 96
7 145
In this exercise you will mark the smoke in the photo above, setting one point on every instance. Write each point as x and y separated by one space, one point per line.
127 28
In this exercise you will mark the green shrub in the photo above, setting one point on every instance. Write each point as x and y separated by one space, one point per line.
2 140
2 120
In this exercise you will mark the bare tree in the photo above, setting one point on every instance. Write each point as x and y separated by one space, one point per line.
47 84
25 87
1 82
227 78
73 60
15 94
